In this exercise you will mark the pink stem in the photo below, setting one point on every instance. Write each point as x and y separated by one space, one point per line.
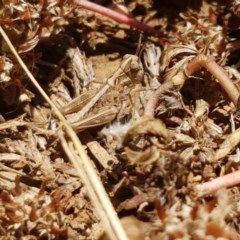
211 187
114 15
217 71
154 99
193 66
153 102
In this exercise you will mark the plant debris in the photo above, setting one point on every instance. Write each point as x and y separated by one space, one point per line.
152 91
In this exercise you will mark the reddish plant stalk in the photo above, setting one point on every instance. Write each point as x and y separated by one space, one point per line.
153 101
211 187
119 17
217 71
193 66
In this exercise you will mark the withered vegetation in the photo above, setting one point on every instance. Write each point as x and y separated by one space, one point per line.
154 100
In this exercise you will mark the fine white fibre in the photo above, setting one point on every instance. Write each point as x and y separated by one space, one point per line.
116 132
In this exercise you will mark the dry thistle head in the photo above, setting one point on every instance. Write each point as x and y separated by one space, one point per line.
195 220
26 211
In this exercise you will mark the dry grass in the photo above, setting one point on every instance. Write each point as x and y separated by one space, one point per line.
147 150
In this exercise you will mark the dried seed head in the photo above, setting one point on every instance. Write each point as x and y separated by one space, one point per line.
26 211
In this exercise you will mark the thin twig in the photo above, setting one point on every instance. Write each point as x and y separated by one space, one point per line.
69 150
82 164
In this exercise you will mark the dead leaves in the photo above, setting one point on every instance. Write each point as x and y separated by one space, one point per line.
144 151
136 143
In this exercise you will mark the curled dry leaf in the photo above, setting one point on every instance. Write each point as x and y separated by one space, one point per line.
145 157
172 51
145 126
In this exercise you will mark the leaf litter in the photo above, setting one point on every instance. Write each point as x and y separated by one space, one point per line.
157 112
